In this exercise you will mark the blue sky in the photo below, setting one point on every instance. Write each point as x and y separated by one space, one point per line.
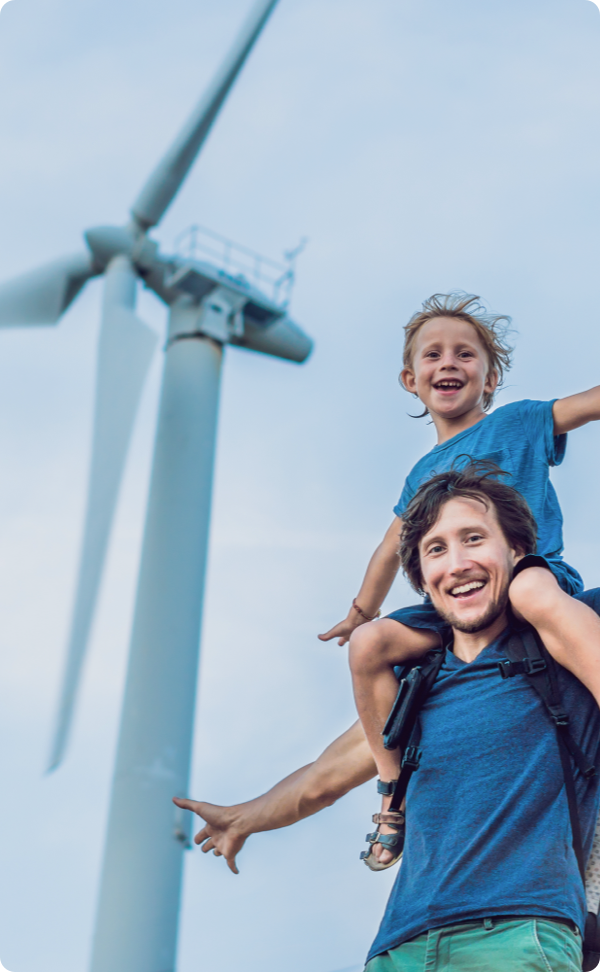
421 146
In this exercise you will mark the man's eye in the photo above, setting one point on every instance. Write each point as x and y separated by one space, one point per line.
437 549
474 538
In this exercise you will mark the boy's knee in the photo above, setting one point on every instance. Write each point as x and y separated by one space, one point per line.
533 592
365 646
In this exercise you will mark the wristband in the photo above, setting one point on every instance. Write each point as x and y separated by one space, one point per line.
367 617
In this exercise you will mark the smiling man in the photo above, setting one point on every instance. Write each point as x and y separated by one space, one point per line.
489 878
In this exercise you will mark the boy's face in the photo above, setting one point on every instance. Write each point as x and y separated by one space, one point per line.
450 368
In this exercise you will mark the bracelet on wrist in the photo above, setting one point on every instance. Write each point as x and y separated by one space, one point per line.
367 617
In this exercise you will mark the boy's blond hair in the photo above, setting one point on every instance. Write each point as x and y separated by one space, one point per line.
492 331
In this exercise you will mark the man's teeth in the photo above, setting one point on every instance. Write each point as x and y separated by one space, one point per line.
465 588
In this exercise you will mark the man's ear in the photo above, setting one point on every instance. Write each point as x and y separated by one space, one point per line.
408 381
491 381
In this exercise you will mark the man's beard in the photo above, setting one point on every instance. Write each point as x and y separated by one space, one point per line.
491 614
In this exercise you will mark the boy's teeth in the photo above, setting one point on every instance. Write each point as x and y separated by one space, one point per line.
465 588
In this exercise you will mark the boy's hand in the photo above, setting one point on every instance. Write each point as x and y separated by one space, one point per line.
344 629
221 833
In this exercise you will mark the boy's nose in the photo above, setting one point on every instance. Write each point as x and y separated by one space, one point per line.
448 361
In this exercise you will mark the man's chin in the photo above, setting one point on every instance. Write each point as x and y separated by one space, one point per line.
479 623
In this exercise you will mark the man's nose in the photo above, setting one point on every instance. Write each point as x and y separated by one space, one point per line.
459 561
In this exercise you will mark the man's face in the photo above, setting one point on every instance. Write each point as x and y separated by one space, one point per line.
467 565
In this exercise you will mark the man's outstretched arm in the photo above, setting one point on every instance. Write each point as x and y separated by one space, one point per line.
345 764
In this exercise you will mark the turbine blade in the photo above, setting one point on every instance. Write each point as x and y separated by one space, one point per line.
125 352
164 183
41 296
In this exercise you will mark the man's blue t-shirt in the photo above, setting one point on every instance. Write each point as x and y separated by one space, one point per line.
520 439
487 820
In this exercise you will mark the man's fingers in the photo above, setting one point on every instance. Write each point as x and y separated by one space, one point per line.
232 865
185 804
217 852
201 835
208 846
342 641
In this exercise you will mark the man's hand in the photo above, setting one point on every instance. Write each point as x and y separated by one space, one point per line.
221 833
346 763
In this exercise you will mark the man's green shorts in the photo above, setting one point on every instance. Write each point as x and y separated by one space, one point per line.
490 945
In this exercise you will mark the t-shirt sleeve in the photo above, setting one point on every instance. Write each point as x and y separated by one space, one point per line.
538 425
405 497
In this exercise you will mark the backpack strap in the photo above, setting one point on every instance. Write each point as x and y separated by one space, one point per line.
529 656
403 727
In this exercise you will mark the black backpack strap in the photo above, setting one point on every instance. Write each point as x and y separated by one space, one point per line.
404 722
410 764
528 656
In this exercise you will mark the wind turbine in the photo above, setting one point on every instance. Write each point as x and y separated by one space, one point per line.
136 924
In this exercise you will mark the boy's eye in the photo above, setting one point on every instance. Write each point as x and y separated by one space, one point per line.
466 354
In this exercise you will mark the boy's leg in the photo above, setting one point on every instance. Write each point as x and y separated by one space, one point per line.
375 648
569 628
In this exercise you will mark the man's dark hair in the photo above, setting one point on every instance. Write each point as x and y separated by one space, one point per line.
478 479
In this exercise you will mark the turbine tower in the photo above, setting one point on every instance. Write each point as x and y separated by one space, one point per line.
136 924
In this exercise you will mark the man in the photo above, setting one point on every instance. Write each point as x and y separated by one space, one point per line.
489 878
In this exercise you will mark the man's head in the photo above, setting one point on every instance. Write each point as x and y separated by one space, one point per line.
463 532
455 354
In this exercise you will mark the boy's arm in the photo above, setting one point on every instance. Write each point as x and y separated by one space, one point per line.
576 410
569 628
345 764
379 577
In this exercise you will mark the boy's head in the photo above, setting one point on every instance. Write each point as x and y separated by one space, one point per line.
455 354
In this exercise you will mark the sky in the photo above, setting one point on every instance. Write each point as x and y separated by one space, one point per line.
420 146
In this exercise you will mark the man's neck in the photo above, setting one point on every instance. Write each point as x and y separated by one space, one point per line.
447 428
468 645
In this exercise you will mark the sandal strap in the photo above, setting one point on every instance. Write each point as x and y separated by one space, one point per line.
389 841
386 788
394 818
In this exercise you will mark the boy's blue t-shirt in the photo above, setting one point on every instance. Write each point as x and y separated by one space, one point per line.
487 820
520 439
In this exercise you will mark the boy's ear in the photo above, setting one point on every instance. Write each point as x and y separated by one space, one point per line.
491 382
407 378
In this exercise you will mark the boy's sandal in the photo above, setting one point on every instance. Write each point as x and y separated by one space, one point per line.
392 842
